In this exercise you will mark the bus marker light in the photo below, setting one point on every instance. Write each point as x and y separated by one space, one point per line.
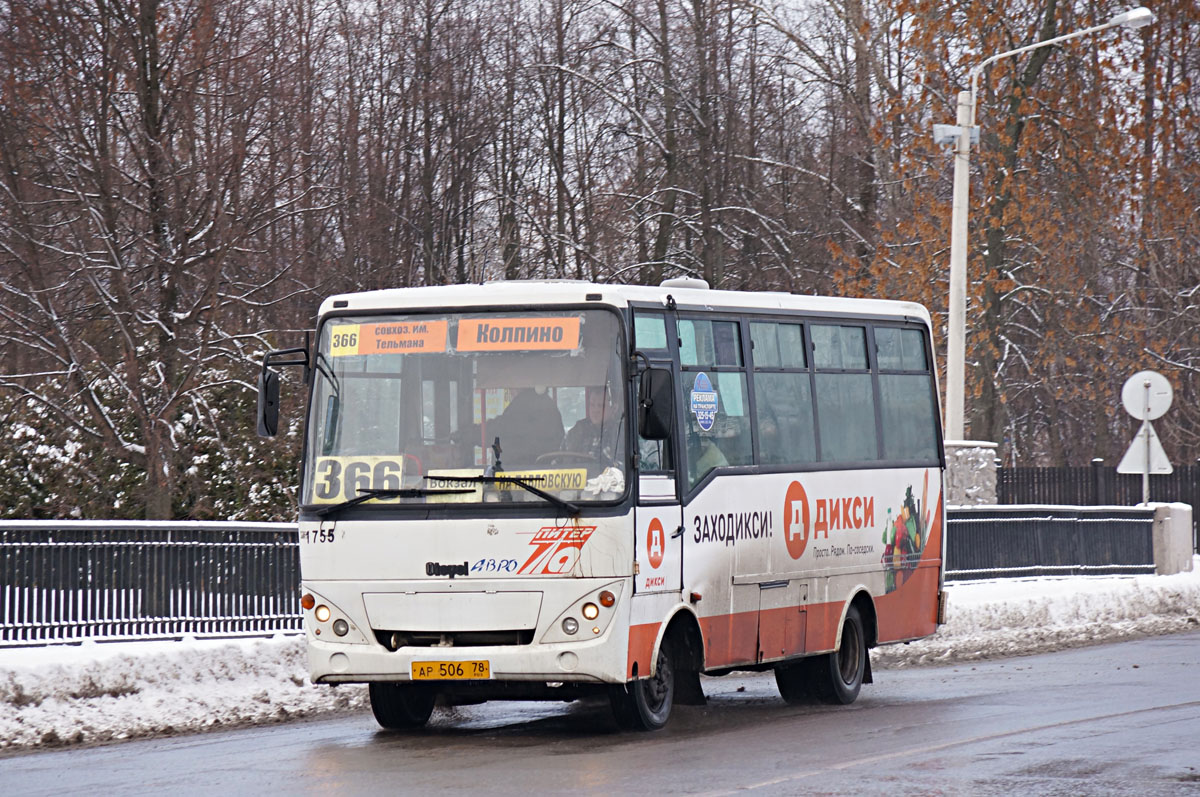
596 630
570 625
322 613
607 599
340 627
591 611
308 601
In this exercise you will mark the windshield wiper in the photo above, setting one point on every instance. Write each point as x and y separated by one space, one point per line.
525 482
384 492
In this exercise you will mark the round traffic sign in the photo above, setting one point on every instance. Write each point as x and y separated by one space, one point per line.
1146 395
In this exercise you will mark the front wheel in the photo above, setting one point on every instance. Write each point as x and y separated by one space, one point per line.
645 704
840 674
401 706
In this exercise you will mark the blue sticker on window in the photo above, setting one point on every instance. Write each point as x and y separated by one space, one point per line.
704 402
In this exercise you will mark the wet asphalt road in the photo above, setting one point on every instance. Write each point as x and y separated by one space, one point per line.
1114 719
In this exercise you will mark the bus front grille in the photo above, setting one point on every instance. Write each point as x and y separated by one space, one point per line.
394 640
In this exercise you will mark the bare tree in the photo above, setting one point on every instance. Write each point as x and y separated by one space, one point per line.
136 176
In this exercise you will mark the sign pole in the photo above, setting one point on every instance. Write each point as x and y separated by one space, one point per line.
1146 396
1146 468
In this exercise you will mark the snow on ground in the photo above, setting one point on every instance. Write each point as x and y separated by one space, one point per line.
70 694
1013 617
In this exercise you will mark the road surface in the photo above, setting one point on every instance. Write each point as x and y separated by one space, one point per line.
1113 719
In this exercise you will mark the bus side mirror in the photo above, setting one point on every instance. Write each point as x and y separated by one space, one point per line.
268 403
268 386
656 404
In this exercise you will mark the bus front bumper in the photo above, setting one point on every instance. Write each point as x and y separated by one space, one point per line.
597 652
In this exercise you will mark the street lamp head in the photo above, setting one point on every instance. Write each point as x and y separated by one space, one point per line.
1138 17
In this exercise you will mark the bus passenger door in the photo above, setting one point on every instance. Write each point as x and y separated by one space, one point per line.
658 520
659 532
658 516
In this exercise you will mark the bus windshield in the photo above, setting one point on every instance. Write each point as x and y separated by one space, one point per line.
468 408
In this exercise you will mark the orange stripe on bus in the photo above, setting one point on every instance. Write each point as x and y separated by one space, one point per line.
781 632
641 648
730 638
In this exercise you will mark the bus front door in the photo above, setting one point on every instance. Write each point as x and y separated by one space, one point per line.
659 548
658 517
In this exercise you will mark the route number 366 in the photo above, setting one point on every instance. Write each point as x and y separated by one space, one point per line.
340 478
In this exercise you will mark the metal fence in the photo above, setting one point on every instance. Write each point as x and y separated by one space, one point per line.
1099 485
1009 541
64 581
71 580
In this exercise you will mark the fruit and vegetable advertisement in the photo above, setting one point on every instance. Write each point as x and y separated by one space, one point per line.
905 532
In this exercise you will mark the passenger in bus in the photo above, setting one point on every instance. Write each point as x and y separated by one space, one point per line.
703 450
530 426
710 457
596 432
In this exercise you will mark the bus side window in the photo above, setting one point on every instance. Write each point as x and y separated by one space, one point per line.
906 395
713 395
783 395
845 397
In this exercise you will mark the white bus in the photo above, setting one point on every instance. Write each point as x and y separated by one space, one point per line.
553 490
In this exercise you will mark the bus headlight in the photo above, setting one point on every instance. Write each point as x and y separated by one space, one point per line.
594 609
322 613
340 627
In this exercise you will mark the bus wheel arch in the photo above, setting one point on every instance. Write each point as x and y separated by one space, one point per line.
865 604
838 676
674 677
687 642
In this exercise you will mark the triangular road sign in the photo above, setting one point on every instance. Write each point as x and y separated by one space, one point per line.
1134 460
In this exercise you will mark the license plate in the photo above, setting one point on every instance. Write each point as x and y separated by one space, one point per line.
450 670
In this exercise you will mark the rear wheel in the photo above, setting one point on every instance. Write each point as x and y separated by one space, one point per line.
645 704
401 706
839 675
795 680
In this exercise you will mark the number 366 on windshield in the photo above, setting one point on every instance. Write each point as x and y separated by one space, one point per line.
337 479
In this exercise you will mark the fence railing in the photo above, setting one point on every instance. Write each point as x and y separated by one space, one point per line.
63 581
1094 485
1013 541
1099 485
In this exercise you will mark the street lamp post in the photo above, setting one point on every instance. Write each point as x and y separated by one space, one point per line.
962 134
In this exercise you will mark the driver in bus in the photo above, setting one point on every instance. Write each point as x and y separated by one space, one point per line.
529 427
596 432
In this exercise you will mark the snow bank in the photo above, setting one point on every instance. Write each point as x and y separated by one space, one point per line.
72 694
98 692
1012 617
